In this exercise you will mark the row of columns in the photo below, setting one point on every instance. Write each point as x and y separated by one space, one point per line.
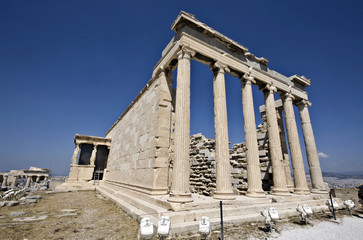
181 167
4 184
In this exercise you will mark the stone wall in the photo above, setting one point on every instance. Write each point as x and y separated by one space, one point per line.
138 157
203 171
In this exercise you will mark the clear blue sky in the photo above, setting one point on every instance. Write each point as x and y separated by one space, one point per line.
70 67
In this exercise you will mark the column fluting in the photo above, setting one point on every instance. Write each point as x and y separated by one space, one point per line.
253 160
301 186
285 153
223 167
311 151
279 180
181 165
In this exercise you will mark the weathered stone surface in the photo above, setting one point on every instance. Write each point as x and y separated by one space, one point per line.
66 215
12 203
33 197
29 201
15 214
31 219
203 172
69 210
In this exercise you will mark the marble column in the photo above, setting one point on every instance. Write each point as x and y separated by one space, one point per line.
311 152
75 154
223 167
38 179
280 187
301 186
5 182
179 191
253 160
93 155
15 182
28 178
285 153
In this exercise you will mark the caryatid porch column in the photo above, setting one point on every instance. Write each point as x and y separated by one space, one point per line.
253 160
5 181
223 167
15 182
280 187
285 153
27 184
93 155
310 146
301 186
75 154
179 191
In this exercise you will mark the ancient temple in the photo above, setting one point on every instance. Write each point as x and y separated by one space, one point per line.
146 158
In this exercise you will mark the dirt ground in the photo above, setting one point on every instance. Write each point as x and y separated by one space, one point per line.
94 217
97 218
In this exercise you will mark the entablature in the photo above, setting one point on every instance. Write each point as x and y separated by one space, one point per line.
211 46
84 139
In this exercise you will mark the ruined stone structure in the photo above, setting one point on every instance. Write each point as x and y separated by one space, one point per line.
152 165
203 170
13 178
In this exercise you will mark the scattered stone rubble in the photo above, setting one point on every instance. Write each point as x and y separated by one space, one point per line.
203 164
15 197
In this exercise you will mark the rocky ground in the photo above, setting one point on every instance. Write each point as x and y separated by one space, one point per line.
87 215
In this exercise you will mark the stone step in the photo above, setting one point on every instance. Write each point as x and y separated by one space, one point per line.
134 204
237 219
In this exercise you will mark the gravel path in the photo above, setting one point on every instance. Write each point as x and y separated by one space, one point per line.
350 228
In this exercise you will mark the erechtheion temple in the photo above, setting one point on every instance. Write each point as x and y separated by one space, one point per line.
150 165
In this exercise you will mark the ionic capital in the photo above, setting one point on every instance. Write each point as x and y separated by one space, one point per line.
287 96
185 52
247 78
220 67
270 87
304 103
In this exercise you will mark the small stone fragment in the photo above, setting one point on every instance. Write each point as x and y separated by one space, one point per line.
66 215
15 214
68 210
12 203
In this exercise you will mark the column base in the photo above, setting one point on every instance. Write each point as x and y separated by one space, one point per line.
255 194
180 197
291 188
224 195
302 191
281 192
319 191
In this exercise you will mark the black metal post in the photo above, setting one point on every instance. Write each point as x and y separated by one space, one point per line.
332 205
221 208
